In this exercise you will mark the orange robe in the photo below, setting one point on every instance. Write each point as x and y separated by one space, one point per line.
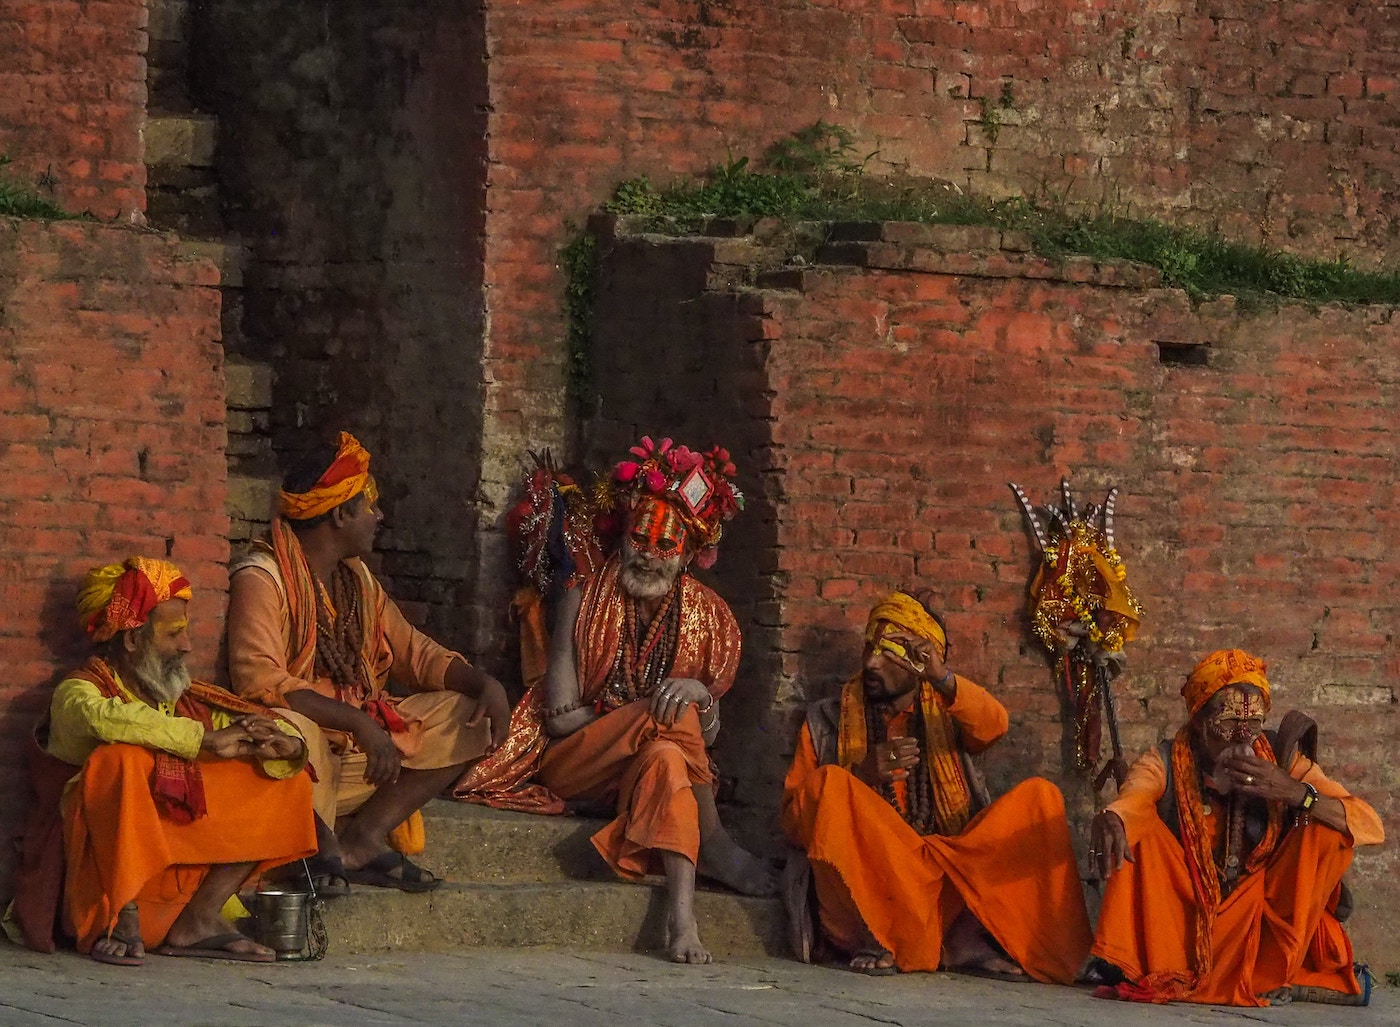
269 658
625 757
1275 929
1013 866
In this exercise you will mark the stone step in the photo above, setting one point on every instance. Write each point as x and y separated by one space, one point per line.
579 915
488 846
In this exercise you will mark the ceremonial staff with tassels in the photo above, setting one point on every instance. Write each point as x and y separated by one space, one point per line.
1083 611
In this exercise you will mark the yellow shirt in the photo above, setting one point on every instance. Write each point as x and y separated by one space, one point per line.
81 719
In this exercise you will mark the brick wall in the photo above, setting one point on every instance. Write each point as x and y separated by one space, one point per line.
1272 122
73 101
351 163
893 390
111 440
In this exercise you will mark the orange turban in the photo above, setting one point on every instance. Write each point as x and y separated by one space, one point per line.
347 476
1223 667
904 611
120 596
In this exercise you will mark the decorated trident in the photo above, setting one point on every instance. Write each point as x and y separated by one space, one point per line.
1083 611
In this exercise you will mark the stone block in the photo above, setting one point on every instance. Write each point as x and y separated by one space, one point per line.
251 499
247 384
187 139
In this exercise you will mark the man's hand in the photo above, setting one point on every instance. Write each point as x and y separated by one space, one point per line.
1258 778
1108 844
672 697
923 660
492 702
895 758
227 742
381 755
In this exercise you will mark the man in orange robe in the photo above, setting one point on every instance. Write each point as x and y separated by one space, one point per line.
640 655
184 790
1224 863
312 635
912 868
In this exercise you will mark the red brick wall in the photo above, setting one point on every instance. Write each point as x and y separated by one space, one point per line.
111 444
1273 122
73 101
899 397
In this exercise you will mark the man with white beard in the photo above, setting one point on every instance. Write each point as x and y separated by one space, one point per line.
173 792
640 655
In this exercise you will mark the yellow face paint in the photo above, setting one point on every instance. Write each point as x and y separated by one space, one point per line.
175 627
1236 714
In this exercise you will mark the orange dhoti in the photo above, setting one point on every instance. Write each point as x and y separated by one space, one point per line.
627 758
1273 930
118 848
1012 867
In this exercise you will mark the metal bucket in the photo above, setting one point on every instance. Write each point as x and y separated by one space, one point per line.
282 921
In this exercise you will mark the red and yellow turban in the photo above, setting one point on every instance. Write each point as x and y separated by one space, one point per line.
903 610
120 596
347 476
1221 668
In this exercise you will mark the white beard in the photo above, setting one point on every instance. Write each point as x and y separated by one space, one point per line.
641 581
163 682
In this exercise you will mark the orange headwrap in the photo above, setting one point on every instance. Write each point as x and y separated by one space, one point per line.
904 611
347 476
1223 667
120 596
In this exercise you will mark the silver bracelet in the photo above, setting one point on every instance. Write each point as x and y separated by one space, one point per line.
702 710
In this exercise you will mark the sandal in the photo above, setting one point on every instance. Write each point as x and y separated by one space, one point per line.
328 877
377 873
125 939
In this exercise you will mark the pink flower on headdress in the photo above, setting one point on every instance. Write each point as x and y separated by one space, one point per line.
654 481
626 471
705 558
643 449
683 459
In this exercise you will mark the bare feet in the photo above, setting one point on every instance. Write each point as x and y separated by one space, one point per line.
724 860
122 946
684 945
969 948
872 960
191 929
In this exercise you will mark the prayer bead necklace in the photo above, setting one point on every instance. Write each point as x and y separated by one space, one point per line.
638 669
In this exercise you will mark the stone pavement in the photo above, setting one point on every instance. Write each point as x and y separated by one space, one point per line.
502 987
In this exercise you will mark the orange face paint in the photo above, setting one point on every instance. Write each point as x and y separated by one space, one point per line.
1237 713
657 530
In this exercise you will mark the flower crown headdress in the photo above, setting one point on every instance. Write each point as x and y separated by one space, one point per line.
697 484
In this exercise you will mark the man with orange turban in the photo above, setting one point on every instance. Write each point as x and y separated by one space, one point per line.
1224 857
912 867
183 791
313 635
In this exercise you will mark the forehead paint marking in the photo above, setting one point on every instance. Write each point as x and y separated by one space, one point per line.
657 528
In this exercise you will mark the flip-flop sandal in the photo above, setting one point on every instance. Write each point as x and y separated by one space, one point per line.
328 876
114 960
216 947
410 878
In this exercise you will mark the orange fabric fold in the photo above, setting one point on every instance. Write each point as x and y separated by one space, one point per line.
119 848
1013 867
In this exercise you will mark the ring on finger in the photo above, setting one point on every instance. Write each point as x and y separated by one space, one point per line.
1249 779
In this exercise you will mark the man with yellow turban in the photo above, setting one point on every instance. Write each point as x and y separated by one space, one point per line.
313 635
912 867
1224 857
159 796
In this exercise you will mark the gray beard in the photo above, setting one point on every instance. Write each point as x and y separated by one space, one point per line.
642 583
163 682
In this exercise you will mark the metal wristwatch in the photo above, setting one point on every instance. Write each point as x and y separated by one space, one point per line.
1309 800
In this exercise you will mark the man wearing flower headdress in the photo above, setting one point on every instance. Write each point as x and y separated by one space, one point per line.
312 634
912 866
641 654
157 796
1224 857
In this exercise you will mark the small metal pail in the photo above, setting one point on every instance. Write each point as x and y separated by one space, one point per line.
282 921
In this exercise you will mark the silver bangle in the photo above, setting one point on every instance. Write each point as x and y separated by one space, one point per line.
702 710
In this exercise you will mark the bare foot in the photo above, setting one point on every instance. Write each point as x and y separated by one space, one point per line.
724 860
122 945
685 945
969 948
873 958
189 930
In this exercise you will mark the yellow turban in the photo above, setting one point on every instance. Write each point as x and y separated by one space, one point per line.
1221 668
347 476
120 596
903 610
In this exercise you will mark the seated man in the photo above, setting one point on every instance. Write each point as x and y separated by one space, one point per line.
882 799
184 790
1225 862
312 634
640 655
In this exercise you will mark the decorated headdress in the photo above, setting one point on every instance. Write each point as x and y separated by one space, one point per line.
347 476
904 611
696 484
1222 668
120 596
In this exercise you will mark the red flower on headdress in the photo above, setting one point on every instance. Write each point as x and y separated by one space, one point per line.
626 471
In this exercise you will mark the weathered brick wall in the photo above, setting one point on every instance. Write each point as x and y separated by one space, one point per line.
111 441
73 101
892 398
351 162
1273 122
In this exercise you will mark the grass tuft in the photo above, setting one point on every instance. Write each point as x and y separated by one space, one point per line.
17 201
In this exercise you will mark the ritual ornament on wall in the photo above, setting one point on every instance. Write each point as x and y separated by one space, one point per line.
1084 613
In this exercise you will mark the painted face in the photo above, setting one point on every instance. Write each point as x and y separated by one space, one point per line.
159 657
657 530
1235 715
881 678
